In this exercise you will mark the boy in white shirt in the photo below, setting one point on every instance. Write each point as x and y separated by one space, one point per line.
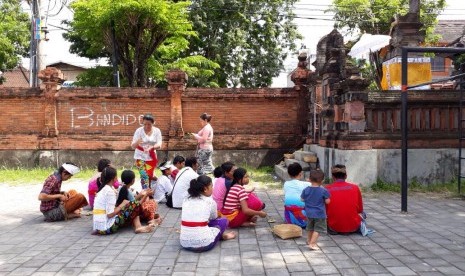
164 183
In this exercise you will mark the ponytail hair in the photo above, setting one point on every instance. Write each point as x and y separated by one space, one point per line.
238 174
197 186
108 174
206 117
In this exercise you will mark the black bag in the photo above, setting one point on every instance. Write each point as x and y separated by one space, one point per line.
169 199
169 196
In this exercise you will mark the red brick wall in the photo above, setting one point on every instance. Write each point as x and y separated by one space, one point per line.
106 118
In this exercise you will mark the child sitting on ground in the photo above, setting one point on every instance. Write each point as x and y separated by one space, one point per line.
294 208
240 207
179 162
148 206
315 198
164 183
201 228
95 183
217 173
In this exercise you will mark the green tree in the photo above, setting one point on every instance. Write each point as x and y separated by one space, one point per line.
99 76
376 16
15 34
149 35
249 39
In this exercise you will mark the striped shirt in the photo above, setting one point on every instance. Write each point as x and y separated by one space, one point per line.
235 195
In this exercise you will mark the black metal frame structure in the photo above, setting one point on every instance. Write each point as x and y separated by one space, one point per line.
404 110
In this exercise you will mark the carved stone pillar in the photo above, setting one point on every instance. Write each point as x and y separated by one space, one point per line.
51 79
177 81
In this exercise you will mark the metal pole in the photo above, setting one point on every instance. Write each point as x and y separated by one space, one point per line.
115 57
33 81
404 117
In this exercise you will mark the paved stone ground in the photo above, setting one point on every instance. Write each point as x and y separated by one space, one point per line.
429 240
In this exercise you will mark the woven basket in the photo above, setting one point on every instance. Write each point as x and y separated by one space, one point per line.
287 231
289 155
310 159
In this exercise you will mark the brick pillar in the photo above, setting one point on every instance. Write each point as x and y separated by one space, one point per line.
51 79
300 77
177 81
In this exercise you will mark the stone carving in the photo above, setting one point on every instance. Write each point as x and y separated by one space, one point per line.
301 74
343 89
51 74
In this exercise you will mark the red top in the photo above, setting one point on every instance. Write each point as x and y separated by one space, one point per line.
345 206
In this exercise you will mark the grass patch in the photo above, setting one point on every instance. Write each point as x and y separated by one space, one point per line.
21 176
262 177
416 186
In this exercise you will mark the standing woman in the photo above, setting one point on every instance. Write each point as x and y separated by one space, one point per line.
205 145
147 139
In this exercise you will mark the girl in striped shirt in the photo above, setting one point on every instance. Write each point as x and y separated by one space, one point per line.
240 207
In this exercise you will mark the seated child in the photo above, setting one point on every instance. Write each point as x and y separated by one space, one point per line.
294 211
240 207
179 163
201 228
164 183
95 184
148 206
109 217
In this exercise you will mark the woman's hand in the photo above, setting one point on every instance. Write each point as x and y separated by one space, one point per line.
262 214
149 192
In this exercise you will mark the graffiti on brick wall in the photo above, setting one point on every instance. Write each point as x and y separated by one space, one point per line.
85 117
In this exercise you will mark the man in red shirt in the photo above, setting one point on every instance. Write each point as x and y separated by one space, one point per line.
346 208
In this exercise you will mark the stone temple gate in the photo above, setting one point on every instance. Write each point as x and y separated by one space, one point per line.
351 125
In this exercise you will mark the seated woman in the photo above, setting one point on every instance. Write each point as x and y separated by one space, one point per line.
108 217
223 183
201 228
294 211
240 207
95 184
59 205
148 205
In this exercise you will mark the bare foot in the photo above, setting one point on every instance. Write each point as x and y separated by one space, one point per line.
313 247
229 235
144 229
249 224
254 219
74 215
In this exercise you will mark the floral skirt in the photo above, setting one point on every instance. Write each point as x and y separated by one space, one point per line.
123 218
146 170
205 161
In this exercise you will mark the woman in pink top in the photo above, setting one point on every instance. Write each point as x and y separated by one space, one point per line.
205 146
95 184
